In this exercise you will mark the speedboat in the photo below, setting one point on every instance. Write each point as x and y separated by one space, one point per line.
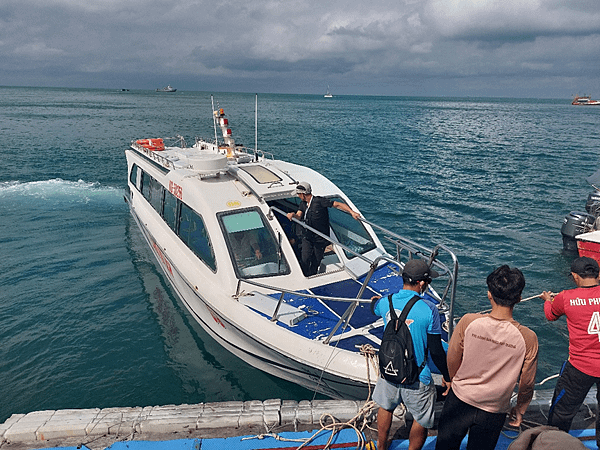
196 205
585 100
167 88
581 229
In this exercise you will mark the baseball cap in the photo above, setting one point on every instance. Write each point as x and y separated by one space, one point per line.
585 267
303 188
418 270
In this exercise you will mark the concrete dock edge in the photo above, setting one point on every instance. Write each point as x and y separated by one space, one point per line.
96 427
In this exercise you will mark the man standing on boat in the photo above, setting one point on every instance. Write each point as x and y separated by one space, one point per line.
313 210
488 355
423 321
582 370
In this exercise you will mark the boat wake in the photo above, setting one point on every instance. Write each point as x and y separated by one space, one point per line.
59 190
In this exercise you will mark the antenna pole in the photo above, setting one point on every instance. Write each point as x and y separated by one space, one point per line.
212 102
256 127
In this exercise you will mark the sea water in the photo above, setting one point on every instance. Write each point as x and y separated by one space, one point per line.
86 318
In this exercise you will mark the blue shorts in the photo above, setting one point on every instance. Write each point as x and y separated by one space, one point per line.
418 398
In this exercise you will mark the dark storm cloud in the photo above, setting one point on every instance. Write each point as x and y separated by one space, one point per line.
438 47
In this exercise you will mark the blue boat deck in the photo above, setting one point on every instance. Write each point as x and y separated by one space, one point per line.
323 315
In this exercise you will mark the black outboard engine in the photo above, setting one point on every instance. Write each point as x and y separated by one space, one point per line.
576 222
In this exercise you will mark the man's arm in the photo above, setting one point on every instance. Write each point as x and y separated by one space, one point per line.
296 215
438 355
552 309
526 380
346 208
455 349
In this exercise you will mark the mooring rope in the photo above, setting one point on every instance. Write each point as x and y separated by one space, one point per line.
522 300
358 423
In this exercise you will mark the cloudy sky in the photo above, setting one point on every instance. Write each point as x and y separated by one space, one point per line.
510 48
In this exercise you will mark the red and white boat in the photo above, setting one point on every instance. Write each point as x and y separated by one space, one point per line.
585 100
588 244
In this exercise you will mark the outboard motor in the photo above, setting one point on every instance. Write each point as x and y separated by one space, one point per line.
576 222
592 205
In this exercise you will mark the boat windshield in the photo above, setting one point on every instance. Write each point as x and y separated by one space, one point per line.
350 232
252 245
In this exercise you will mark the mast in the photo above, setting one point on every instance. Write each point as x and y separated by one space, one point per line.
256 127
212 102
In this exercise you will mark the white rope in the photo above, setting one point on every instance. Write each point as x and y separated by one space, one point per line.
358 423
522 300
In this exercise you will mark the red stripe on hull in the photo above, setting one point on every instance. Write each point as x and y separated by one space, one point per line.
590 249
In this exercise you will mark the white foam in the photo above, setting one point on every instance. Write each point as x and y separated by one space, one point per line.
60 190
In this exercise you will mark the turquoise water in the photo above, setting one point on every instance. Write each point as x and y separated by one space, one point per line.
86 320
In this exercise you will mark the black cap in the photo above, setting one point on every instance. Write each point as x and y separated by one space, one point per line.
585 267
418 270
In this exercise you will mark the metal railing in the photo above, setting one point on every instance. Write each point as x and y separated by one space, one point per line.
402 245
154 155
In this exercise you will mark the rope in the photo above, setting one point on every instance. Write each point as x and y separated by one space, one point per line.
522 300
370 353
329 360
358 423
526 424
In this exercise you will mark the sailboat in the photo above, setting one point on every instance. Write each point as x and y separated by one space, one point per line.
328 94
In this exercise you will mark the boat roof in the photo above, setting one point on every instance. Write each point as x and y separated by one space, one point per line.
264 178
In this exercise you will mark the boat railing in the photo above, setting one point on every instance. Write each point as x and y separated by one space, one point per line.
440 257
154 155
222 148
257 153
179 139
402 244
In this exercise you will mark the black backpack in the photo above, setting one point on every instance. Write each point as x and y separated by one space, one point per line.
397 363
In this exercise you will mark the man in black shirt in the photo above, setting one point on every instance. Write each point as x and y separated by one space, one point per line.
313 210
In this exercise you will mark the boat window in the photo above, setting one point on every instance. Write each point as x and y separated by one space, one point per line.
252 245
350 232
133 175
156 194
146 186
261 174
170 210
195 235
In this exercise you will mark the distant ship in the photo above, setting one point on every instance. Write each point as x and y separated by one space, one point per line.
328 94
169 88
585 100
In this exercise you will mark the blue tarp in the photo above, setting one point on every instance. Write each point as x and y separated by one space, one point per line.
344 439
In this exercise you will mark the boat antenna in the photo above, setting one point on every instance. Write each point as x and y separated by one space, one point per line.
212 102
256 127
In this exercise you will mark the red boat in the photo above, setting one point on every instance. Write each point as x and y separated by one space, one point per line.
588 244
585 100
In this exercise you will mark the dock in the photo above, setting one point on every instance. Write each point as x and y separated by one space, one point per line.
198 424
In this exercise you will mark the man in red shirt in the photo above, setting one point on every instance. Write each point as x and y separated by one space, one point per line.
582 308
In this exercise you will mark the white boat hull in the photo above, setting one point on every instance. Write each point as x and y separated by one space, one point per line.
257 352
190 202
